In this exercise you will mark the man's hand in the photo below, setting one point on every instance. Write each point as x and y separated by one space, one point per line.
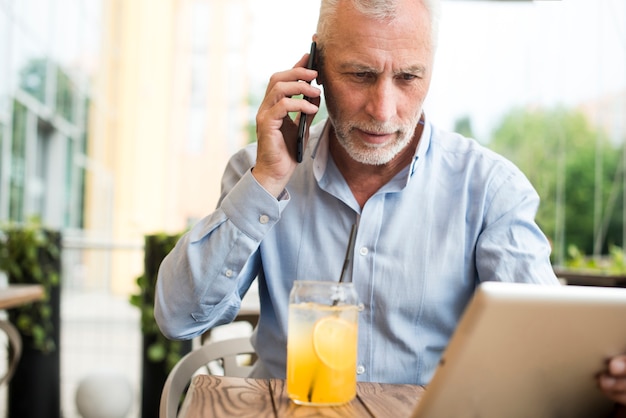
276 132
613 381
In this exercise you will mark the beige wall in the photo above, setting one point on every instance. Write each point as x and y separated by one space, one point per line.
194 184
144 178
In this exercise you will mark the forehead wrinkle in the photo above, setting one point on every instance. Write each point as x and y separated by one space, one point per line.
357 67
365 68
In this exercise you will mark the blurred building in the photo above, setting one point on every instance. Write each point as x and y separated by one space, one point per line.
116 120
45 92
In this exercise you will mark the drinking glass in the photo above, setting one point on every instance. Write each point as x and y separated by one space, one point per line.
322 343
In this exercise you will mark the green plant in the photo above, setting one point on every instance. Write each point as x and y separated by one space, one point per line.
613 263
161 349
31 254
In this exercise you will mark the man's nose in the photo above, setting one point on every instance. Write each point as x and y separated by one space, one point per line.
382 100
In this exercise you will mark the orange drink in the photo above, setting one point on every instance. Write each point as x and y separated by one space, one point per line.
322 343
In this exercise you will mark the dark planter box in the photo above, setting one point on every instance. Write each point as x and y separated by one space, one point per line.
153 376
588 278
35 388
154 373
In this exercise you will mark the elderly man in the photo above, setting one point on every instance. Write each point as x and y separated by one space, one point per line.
437 213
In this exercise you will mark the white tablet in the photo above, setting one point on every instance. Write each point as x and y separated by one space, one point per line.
524 350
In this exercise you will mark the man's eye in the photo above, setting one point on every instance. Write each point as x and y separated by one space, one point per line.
408 77
361 75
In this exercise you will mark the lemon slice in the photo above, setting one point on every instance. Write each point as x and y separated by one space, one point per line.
334 342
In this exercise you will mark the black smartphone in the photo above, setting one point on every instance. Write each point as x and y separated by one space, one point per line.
303 117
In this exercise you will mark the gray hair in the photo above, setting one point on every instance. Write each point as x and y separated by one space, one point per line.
377 9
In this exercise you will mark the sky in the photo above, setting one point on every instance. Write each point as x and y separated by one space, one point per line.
492 55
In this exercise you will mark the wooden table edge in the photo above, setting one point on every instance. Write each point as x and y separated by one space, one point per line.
373 399
15 295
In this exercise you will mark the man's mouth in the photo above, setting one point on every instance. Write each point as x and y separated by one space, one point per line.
375 138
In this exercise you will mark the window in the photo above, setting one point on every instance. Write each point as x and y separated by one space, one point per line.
33 76
65 95
4 64
18 163
75 173
75 185
39 190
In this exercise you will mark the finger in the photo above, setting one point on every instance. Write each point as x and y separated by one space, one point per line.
296 73
292 75
612 386
286 106
279 103
291 89
310 113
617 366
276 121
302 62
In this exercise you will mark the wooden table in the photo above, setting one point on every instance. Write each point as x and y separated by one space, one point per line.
218 396
19 294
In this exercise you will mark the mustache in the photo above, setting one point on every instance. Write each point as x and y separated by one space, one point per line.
376 128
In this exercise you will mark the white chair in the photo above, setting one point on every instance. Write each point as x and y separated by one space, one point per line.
228 352
14 348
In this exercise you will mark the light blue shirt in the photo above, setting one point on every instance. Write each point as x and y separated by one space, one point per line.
458 215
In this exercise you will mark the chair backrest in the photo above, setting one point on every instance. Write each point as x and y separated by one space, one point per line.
226 351
15 352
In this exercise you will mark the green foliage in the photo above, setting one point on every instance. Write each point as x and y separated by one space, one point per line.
563 157
613 264
463 126
161 349
31 254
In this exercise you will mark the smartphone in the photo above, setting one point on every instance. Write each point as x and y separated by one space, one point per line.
303 117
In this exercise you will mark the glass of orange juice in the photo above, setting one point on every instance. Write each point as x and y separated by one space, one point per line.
322 343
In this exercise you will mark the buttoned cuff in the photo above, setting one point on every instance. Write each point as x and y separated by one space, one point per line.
251 208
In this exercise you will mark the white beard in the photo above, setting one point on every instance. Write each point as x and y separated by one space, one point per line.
372 154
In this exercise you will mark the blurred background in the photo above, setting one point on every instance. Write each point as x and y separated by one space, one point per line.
117 118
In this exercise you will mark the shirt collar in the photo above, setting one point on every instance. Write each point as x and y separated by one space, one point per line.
320 152
423 144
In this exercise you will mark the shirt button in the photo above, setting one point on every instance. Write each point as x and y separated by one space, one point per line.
229 273
360 369
363 251
264 219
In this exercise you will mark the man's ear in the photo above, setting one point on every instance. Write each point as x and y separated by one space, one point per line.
320 71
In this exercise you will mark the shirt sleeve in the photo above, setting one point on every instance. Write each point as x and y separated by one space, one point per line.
202 280
511 246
